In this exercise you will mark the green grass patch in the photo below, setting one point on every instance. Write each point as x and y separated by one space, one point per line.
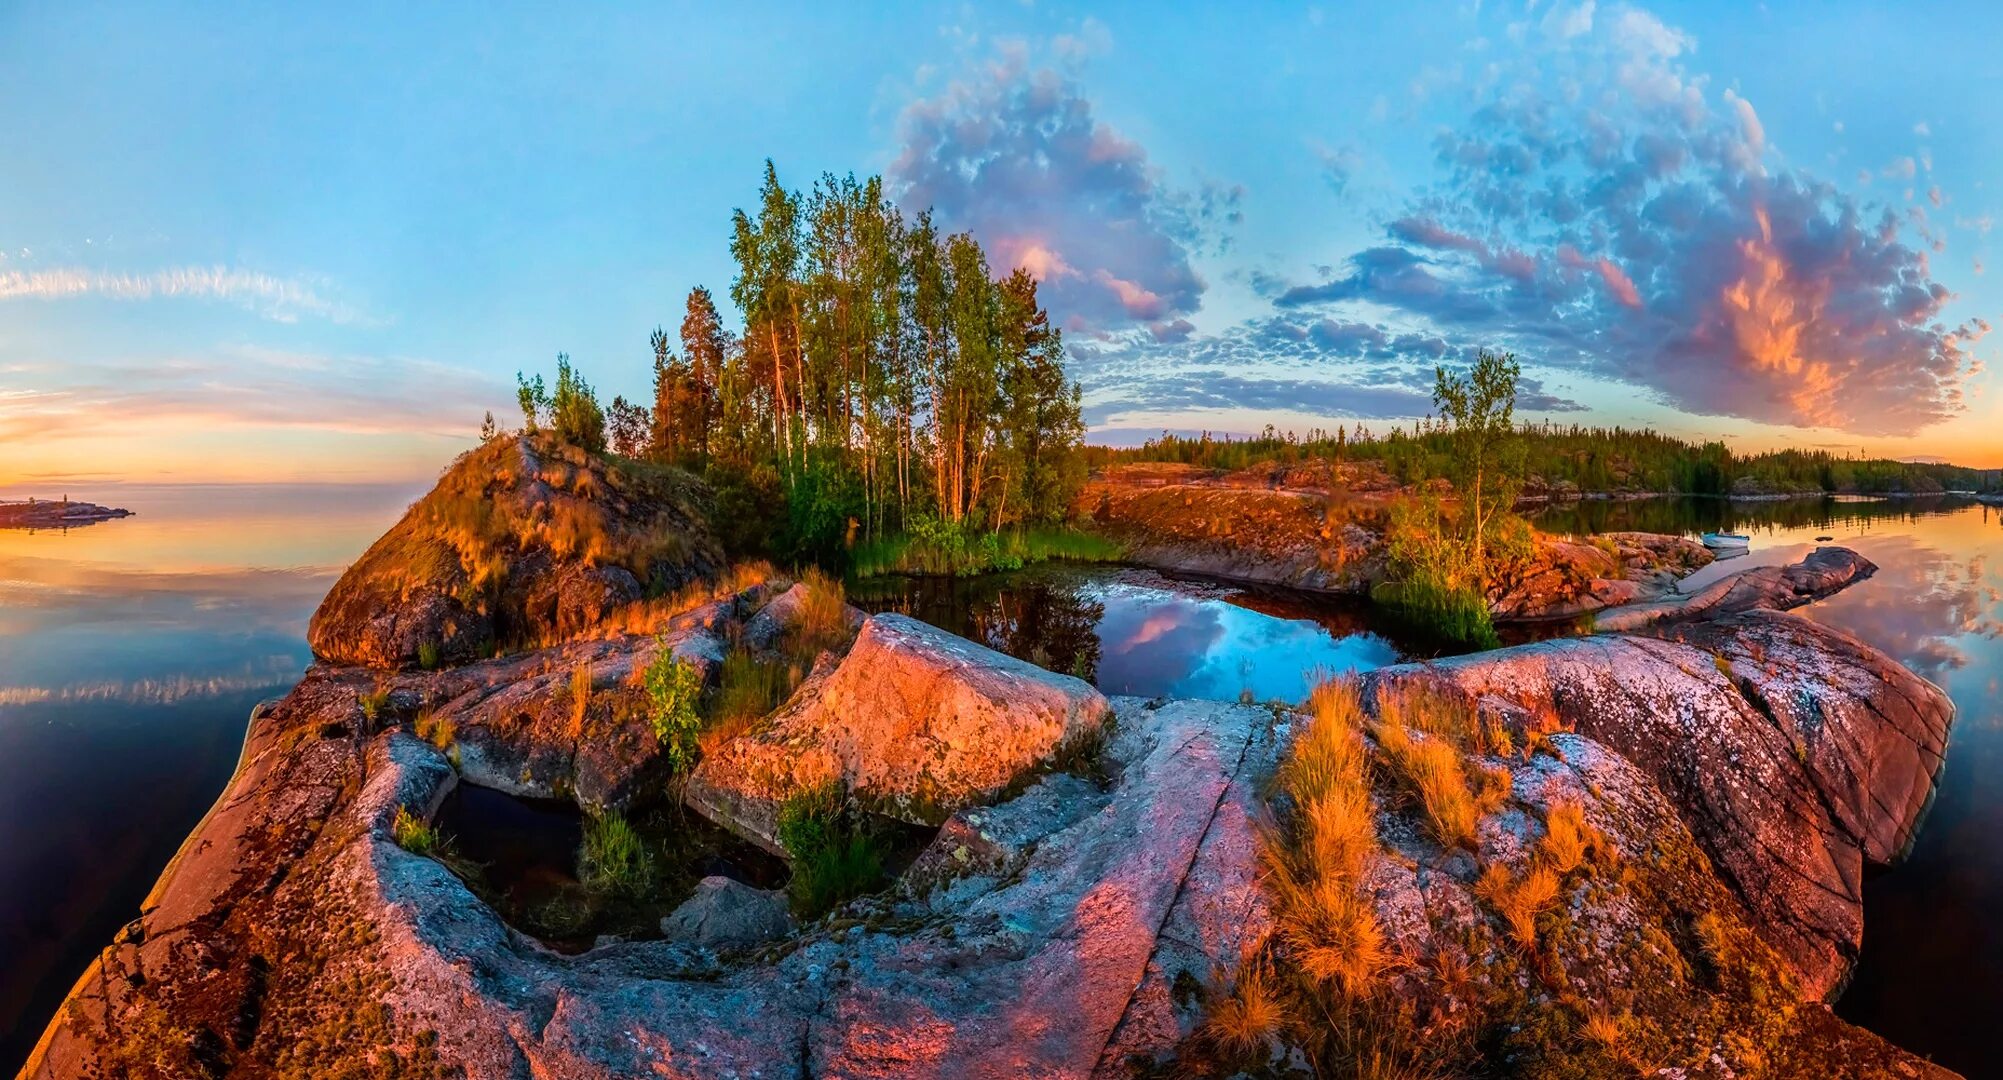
835 857
941 549
413 834
427 655
614 860
1455 615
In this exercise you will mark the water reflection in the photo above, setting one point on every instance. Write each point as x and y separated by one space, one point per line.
1138 632
130 655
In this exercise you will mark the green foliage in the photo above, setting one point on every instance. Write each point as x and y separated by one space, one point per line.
571 411
835 858
427 655
613 859
673 686
943 549
412 833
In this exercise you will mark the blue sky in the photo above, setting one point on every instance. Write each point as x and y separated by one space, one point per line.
264 243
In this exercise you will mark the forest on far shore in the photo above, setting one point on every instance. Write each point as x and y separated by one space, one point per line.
1586 459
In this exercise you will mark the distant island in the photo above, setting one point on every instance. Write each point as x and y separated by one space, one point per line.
60 514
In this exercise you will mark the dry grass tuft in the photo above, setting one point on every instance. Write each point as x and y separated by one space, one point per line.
1567 838
1249 1016
824 614
1430 768
1518 900
580 697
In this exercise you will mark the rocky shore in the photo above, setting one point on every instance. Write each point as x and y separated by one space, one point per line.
1093 880
1303 530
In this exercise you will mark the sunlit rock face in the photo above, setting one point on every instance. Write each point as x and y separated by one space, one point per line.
915 723
523 542
1795 754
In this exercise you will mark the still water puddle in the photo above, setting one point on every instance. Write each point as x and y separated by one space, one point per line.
1143 633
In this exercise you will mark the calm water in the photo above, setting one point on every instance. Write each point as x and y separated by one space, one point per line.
132 651
1139 632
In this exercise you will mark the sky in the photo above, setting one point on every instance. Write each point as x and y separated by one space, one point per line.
316 242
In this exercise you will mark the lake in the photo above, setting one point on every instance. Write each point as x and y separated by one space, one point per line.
132 651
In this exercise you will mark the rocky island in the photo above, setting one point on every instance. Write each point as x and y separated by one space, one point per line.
1630 853
56 514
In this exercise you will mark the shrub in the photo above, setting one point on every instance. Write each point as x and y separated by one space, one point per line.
412 833
672 686
427 655
834 857
939 548
614 859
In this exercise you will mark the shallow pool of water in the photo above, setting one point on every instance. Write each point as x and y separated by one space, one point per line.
1143 633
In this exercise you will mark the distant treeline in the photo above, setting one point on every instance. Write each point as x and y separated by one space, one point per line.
1609 459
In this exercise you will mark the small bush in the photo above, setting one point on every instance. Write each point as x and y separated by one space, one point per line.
673 686
412 833
613 859
427 655
835 858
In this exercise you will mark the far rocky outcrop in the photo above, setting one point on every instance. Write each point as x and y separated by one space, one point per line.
525 541
1314 528
56 514
1096 883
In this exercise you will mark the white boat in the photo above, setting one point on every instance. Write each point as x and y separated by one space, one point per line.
1728 541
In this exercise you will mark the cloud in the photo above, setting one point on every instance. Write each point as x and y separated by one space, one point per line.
245 387
278 298
1014 155
1300 364
1603 215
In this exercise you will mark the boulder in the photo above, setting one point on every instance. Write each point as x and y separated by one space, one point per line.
914 723
724 913
524 541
